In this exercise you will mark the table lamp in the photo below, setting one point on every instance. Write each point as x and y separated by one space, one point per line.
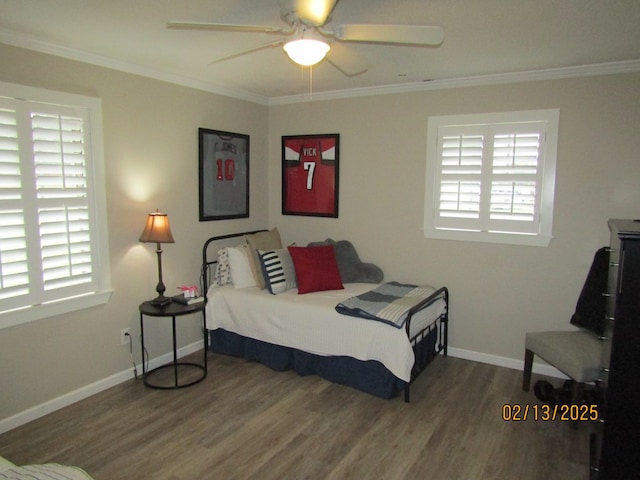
157 231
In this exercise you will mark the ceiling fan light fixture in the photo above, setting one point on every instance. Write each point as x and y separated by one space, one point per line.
306 51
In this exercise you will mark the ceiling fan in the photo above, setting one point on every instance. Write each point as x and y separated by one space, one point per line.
305 23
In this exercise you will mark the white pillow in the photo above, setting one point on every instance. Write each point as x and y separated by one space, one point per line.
241 273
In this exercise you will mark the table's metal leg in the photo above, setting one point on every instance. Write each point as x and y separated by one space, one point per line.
175 352
206 342
144 369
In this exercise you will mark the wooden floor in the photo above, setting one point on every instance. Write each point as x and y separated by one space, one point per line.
246 421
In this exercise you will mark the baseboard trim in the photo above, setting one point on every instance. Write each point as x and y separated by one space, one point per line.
539 368
67 399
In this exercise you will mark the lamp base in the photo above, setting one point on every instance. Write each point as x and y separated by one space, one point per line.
160 301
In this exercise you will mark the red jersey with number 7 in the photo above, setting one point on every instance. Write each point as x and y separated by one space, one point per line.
309 173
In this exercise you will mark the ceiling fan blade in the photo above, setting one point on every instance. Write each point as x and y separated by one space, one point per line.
310 12
392 34
249 50
346 61
186 25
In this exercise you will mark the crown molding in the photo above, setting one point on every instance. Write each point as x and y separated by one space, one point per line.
31 43
611 68
16 39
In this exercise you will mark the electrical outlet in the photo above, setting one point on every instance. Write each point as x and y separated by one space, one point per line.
124 336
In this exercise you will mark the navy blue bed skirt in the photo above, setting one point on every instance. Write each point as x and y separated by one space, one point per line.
368 376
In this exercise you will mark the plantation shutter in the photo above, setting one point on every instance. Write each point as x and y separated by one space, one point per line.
14 271
460 154
46 249
516 177
489 177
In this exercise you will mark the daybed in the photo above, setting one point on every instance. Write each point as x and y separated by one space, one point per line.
279 306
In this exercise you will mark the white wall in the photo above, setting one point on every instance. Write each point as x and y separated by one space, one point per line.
498 292
151 161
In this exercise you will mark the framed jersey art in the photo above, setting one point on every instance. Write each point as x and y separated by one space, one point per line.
310 175
224 175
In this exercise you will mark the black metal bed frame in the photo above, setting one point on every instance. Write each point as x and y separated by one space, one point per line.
422 347
421 342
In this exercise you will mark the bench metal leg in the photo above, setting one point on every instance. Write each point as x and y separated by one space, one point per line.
526 373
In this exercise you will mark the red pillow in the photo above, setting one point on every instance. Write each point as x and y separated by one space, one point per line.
316 268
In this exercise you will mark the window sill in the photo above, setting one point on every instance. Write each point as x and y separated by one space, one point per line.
37 312
489 237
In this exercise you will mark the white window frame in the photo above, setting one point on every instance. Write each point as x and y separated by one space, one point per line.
535 232
72 299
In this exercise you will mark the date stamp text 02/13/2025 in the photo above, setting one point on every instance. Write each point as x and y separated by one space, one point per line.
569 413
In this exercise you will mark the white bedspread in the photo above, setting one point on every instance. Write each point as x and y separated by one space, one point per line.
310 323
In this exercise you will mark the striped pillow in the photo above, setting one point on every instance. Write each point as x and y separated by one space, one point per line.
278 271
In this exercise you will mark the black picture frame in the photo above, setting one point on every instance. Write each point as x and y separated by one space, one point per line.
223 174
310 174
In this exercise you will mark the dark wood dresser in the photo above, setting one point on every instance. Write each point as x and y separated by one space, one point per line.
615 441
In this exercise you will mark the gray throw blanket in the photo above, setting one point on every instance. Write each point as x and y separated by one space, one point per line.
388 303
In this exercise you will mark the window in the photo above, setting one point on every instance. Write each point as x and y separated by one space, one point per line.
53 236
491 177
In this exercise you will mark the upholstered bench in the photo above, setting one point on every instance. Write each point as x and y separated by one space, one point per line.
577 354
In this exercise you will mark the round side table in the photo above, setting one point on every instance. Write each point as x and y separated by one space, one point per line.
173 310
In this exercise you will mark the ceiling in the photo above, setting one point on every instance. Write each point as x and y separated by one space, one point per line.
489 39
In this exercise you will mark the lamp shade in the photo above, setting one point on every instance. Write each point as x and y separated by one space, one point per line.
157 229
306 51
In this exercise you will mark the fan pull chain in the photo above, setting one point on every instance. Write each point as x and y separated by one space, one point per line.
310 81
